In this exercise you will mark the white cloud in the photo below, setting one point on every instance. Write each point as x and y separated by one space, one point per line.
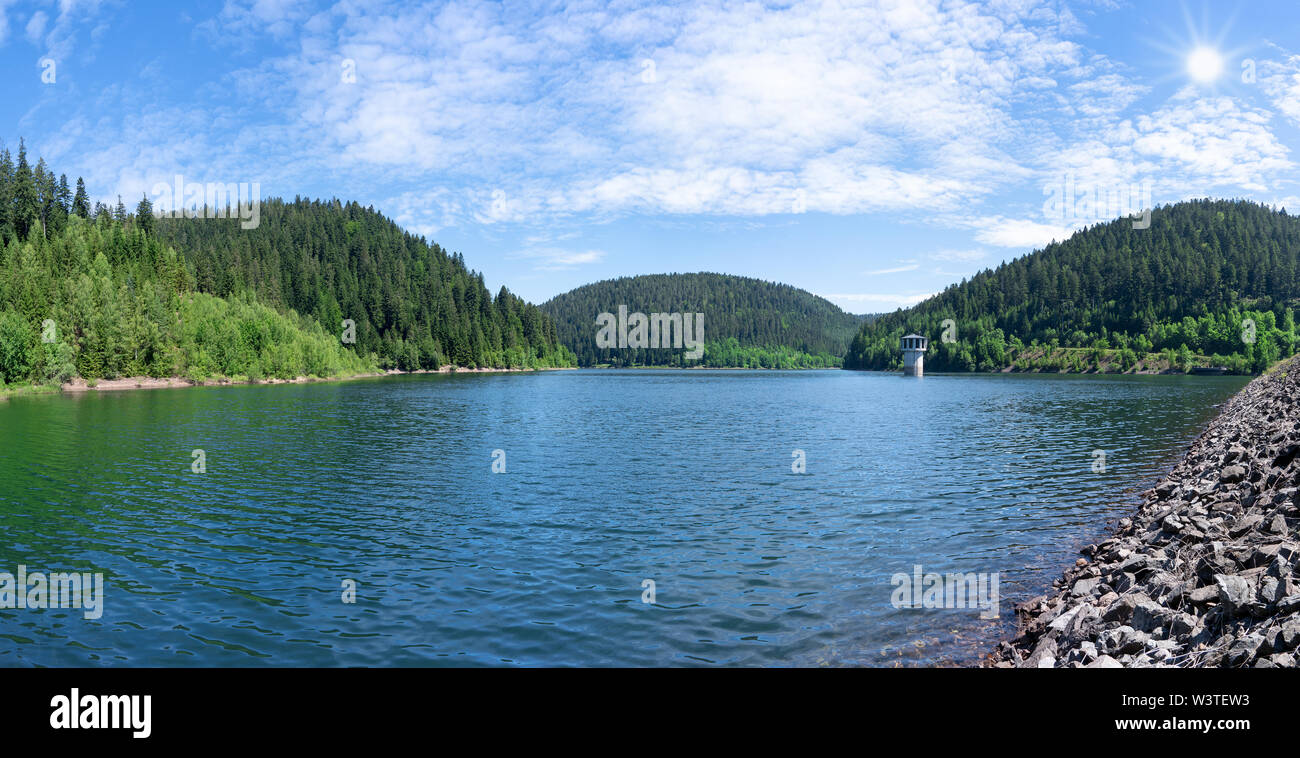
491 114
1019 233
1107 95
59 39
878 301
816 107
1281 80
964 256
1207 143
279 18
4 19
554 258
1190 147
894 270
954 275
36 26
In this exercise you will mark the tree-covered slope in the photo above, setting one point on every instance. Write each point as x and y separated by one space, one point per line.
99 300
104 293
748 322
414 304
1211 281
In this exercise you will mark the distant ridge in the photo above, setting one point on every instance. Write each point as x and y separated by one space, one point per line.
749 322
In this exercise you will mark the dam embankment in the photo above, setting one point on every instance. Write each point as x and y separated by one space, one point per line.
1205 573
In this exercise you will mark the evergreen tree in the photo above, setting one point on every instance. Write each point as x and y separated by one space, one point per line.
62 205
6 194
144 215
81 201
26 209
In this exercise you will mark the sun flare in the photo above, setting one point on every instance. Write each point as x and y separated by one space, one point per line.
1204 64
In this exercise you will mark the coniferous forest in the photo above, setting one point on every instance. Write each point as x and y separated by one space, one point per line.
1211 282
96 291
101 292
415 305
748 323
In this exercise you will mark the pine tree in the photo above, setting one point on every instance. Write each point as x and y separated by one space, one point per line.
47 191
62 204
81 201
26 211
6 194
144 215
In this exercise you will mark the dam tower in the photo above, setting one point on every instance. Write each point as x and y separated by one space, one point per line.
914 355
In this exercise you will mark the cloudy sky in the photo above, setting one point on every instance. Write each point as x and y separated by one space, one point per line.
871 152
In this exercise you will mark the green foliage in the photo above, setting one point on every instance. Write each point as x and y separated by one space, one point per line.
257 303
749 323
112 297
1179 294
58 363
414 305
241 337
729 353
15 347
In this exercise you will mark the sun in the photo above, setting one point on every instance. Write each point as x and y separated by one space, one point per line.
1204 64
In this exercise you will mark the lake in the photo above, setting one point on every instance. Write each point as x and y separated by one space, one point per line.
613 480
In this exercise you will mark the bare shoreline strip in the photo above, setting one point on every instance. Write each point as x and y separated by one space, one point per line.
175 382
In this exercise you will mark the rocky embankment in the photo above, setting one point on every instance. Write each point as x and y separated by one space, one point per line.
1205 573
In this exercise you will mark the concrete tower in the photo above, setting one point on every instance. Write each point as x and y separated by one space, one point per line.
914 355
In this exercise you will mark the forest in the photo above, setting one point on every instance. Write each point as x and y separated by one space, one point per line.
1210 283
749 323
96 291
414 305
100 292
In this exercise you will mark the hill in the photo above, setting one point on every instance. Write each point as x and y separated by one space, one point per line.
103 293
1210 282
98 300
749 323
414 304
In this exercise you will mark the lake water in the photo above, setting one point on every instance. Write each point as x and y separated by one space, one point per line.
612 478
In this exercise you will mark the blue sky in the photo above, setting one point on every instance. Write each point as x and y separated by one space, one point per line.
872 153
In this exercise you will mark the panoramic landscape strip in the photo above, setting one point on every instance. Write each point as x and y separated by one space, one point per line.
958 335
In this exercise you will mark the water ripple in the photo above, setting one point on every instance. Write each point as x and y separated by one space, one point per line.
613 478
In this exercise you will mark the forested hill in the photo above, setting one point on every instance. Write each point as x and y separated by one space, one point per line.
102 292
414 304
748 322
1210 282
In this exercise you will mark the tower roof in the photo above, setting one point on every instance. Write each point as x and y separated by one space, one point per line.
909 336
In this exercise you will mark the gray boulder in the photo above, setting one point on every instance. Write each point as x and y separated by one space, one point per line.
1235 593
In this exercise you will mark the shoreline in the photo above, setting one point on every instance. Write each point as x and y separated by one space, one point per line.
126 383
1206 573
